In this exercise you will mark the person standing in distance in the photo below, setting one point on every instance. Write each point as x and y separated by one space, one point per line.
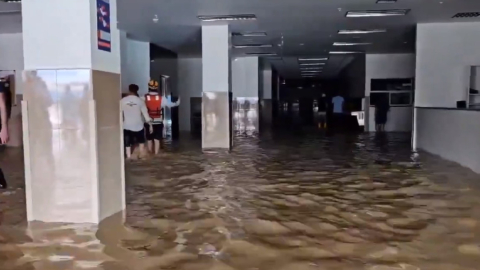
156 103
134 113
3 124
338 106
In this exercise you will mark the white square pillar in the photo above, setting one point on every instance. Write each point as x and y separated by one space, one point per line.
71 111
216 87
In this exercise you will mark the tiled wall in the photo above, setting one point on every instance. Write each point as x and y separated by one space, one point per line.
69 118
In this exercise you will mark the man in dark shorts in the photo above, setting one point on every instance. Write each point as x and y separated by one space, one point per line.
156 103
134 113
4 95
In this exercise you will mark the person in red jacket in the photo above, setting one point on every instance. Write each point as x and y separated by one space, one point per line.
156 103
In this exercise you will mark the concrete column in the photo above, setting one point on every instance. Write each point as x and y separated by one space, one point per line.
266 98
71 113
246 87
216 87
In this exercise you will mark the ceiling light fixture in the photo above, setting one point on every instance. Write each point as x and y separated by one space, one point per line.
343 52
312 64
377 13
386 1
239 17
361 31
251 34
11 1
313 59
262 54
312 68
252 46
350 43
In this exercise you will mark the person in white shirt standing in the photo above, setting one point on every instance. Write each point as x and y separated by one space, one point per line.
156 103
135 114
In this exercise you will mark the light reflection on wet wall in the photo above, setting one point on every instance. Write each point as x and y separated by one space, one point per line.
216 120
245 115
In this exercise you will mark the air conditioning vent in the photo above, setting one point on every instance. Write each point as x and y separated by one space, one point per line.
467 15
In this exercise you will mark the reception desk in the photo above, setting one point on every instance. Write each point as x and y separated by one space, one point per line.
399 119
453 134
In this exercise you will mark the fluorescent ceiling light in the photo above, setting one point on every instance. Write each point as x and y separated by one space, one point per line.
262 54
350 43
312 64
386 1
313 59
251 34
239 17
377 13
361 31
252 46
312 68
343 52
311 72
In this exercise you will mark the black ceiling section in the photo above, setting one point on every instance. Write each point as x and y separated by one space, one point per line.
159 52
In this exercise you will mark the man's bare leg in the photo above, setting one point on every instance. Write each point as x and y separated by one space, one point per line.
150 146
157 145
142 151
128 152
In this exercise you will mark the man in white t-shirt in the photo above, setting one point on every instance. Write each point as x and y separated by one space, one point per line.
135 114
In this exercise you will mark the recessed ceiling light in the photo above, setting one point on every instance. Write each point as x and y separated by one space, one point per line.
252 46
377 13
361 31
262 54
313 59
386 1
239 17
311 72
312 64
343 52
312 68
251 34
350 43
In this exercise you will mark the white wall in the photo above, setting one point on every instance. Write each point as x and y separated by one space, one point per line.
216 40
101 60
72 43
11 51
189 85
245 77
388 66
475 78
354 76
445 52
135 63
451 134
266 81
11 57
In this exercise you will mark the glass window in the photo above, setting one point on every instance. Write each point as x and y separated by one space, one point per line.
404 98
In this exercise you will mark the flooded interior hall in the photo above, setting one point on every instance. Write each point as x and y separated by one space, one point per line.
239 135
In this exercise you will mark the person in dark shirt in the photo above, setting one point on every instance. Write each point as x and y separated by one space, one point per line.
4 94
381 112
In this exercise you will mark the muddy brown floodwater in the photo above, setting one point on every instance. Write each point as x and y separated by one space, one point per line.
279 202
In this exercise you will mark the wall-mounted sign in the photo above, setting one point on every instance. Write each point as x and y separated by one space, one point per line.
103 26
